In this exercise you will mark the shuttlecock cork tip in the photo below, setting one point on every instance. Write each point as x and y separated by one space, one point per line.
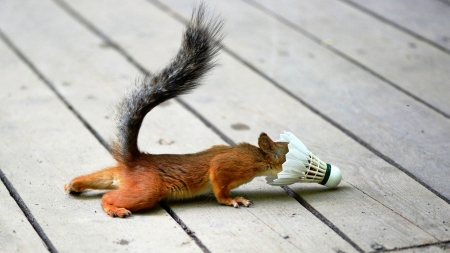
332 177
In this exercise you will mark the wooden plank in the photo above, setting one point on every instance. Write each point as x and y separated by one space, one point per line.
16 233
402 121
238 226
389 121
417 67
429 19
375 194
438 248
43 145
285 222
390 189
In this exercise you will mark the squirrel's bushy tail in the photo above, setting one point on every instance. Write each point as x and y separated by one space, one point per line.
200 44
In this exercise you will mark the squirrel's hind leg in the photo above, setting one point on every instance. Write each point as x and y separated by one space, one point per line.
103 179
133 196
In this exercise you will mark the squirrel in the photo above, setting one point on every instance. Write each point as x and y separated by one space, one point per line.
140 180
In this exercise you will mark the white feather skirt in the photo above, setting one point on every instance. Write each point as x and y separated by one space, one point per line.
303 166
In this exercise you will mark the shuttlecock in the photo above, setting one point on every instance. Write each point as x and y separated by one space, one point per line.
302 166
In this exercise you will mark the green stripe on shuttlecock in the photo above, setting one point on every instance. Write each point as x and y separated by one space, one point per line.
327 174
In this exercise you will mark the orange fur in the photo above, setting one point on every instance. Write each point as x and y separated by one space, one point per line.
141 183
140 180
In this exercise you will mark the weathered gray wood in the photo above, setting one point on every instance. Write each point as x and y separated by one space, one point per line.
374 204
417 67
391 122
374 184
207 102
168 122
16 233
430 19
42 146
438 248
285 222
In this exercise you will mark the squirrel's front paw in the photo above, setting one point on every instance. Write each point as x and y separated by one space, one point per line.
236 201
243 201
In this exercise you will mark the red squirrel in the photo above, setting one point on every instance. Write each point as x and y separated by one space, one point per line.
140 180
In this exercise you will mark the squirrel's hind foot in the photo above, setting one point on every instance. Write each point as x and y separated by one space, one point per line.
116 211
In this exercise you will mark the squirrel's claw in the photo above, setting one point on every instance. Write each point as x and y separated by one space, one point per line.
238 200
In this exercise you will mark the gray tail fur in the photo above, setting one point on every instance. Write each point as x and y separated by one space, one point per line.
200 44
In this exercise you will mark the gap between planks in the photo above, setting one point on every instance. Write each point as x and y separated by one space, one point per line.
12 191
343 55
103 142
443 245
131 60
353 136
127 56
17 197
398 26
141 68
210 125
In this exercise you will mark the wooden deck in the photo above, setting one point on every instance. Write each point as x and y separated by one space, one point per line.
364 83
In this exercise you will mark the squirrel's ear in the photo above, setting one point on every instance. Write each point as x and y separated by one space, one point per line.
265 143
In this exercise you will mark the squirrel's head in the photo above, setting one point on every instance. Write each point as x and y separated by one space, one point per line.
275 151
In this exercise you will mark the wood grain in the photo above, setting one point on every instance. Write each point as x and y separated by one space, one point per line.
417 67
429 19
375 205
16 233
173 121
43 146
367 173
393 123
393 197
